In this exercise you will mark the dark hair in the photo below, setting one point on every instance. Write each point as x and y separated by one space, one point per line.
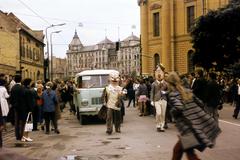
213 75
27 81
2 75
200 72
2 82
54 87
18 78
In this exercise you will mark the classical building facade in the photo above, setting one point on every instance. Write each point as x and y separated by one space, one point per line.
21 48
165 28
123 56
59 68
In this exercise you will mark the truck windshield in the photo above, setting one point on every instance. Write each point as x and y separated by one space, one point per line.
93 81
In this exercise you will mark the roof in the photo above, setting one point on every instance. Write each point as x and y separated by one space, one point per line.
132 38
75 41
105 41
95 72
38 35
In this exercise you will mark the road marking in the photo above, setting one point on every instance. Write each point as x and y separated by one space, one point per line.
230 123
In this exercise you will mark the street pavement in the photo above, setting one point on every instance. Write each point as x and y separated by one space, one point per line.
138 140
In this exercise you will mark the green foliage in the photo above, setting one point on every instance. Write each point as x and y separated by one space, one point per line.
216 38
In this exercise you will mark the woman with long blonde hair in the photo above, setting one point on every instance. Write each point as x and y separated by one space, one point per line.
197 129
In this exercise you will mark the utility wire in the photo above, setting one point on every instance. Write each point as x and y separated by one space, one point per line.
74 21
34 12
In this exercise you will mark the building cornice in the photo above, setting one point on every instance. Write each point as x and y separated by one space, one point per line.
31 63
142 2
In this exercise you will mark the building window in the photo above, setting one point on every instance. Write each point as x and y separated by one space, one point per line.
156 24
31 53
22 51
190 18
27 52
156 60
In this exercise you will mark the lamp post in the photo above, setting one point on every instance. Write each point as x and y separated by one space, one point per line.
52 25
52 53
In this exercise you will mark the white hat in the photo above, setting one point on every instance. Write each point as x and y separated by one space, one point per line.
114 76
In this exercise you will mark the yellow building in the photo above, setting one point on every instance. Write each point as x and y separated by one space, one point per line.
165 27
18 39
9 46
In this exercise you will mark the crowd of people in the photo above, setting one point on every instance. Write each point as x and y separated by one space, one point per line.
192 101
37 101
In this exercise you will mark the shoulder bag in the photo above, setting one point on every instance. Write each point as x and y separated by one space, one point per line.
29 124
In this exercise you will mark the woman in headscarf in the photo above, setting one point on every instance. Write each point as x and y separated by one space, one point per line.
49 104
197 129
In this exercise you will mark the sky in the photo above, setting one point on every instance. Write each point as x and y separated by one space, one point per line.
92 19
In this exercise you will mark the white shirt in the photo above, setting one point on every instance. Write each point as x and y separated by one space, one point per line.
113 93
3 100
238 89
12 83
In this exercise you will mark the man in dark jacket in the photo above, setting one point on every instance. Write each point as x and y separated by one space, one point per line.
213 96
17 102
199 86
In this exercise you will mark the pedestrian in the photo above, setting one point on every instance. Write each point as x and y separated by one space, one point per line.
236 95
3 101
130 92
113 93
57 107
35 108
18 103
159 99
199 85
49 104
30 100
39 87
197 129
64 96
12 82
142 94
1 127
70 92
213 97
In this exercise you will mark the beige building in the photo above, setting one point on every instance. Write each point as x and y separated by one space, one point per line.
123 56
165 28
21 49
59 68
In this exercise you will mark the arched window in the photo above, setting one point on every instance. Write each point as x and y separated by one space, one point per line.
156 60
190 61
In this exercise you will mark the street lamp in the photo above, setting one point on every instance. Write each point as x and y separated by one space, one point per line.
52 53
52 25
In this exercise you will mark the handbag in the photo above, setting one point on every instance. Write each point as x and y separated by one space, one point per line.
189 141
28 125
102 114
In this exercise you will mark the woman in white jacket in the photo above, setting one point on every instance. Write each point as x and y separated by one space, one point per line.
3 100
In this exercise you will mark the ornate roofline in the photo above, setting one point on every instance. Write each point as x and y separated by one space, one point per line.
142 2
